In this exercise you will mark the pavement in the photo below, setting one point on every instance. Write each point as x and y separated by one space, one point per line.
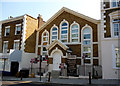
62 80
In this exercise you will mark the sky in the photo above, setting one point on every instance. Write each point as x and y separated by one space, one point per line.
47 8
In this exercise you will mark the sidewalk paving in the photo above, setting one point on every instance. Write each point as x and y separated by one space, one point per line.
67 80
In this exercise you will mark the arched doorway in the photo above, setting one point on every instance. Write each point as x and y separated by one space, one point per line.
57 54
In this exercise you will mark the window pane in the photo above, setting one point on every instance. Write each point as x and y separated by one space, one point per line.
87 36
87 55
64 41
114 4
86 42
87 30
54 37
7 31
86 49
74 40
75 31
45 39
74 26
64 24
87 61
54 33
64 32
44 53
44 49
64 36
64 28
74 35
54 29
45 43
45 34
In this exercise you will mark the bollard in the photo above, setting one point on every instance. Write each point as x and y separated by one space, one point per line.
89 77
49 76
21 75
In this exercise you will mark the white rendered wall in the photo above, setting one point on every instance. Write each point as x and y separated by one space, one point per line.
26 57
107 59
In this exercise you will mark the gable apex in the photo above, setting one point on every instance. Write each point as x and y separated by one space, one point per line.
64 9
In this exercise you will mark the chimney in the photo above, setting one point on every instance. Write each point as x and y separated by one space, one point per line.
40 20
10 17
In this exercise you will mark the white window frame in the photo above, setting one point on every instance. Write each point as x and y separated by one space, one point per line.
16 29
54 26
44 41
18 42
118 28
4 45
111 3
82 45
5 30
75 23
64 21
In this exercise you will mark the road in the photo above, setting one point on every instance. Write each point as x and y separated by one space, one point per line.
28 83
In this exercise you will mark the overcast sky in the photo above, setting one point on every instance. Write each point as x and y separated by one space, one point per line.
47 8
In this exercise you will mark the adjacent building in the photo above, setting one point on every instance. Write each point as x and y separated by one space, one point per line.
110 38
18 42
70 35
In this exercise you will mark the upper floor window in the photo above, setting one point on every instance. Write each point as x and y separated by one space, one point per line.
87 36
16 44
64 31
54 33
7 31
115 3
45 41
116 27
5 46
45 38
75 32
17 29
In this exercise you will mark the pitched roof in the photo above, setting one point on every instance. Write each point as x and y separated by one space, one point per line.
15 18
71 12
59 43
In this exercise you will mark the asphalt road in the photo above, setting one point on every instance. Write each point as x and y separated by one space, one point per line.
52 84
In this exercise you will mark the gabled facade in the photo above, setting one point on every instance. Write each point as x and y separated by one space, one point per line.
70 33
18 42
110 32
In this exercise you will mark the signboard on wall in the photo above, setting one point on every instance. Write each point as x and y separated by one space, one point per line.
71 66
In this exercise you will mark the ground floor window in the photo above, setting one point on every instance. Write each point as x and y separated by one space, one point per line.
117 57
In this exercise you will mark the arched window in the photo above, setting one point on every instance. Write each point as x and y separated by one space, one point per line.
75 32
54 33
45 41
86 36
86 45
64 31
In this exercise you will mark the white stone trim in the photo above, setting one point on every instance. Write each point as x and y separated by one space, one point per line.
18 25
71 32
54 26
55 50
24 33
67 28
37 40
